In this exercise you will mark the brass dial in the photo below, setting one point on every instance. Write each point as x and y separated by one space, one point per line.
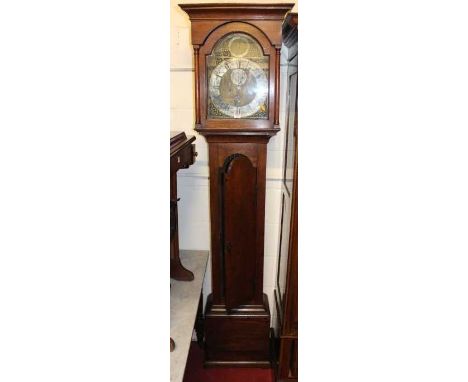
238 87
237 77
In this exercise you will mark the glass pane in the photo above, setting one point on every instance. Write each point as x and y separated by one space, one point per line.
237 75
284 246
290 141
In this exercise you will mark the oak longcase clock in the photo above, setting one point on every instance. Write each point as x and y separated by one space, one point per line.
236 57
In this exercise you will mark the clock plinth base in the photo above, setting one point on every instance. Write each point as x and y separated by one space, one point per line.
239 338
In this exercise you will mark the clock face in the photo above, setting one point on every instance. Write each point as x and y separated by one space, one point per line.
238 88
237 79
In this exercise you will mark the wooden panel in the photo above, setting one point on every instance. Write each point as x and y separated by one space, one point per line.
240 230
288 361
206 17
217 279
293 360
239 335
182 156
249 150
229 11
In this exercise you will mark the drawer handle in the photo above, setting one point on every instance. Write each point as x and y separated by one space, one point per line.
178 159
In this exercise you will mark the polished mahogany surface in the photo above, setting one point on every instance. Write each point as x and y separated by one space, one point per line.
240 230
237 314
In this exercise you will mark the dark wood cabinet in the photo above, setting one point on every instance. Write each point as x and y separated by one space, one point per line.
286 293
182 155
236 55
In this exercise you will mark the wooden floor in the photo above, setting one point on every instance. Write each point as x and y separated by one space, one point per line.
194 371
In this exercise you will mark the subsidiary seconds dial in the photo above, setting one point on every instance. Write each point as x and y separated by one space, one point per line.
238 87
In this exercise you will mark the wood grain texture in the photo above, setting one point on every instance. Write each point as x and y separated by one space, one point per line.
237 11
238 337
197 84
237 315
277 86
240 231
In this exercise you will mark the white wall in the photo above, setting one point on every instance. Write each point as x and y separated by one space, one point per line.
194 223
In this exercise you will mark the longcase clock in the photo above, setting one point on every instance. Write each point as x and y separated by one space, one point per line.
237 56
